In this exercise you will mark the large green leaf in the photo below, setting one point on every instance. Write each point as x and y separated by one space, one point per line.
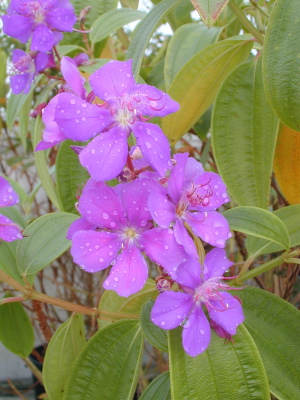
281 62
44 240
111 301
209 10
111 21
16 331
244 130
159 388
228 371
197 83
144 31
274 326
70 176
62 351
187 41
108 366
156 336
8 262
258 222
290 216
3 84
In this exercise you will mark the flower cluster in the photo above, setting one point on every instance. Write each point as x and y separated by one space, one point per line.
9 231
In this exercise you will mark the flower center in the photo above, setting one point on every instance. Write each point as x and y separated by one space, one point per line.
130 233
199 195
25 64
209 291
125 117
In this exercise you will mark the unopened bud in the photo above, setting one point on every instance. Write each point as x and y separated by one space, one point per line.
84 12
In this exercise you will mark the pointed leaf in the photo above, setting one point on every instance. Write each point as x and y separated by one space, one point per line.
223 371
159 388
281 62
16 331
197 83
274 326
209 10
244 130
258 222
62 351
108 366
44 240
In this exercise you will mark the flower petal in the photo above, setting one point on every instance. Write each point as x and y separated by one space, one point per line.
212 227
41 61
78 119
112 80
196 333
189 274
193 169
182 237
129 274
8 197
21 83
211 183
175 182
42 39
17 26
162 210
105 156
170 309
94 251
9 231
154 146
80 224
62 19
72 76
230 318
215 264
53 133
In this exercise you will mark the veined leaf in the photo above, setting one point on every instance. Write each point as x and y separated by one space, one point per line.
244 130
258 222
281 62
197 83
209 10
159 388
228 371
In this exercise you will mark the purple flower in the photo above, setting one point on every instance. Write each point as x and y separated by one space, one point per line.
192 196
44 20
26 66
121 228
9 231
201 287
125 106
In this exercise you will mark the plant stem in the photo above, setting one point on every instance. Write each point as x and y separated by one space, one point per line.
244 20
36 372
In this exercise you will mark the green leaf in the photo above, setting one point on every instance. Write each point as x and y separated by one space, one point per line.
70 176
144 31
16 331
258 222
108 366
281 62
274 326
41 165
155 335
228 371
69 48
24 121
8 262
97 63
62 351
196 84
187 41
44 240
209 10
3 84
244 131
111 21
112 302
290 216
159 388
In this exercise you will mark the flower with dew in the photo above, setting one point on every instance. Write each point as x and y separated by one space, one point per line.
126 108
115 229
9 231
26 66
43 20
192 196
201 286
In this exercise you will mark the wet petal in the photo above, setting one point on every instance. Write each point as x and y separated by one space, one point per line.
193 169
216 263
182 237
211 227
17 26
101 207
160 246
154 146
175 182
78 119
81 224
162 210
72 76
94 251
112 80
42 39
105 156
129 274
9 231
170 309
150 101
62 19
8 197
21 83
211 183
196 333
188 273
41 61
53 133
229 319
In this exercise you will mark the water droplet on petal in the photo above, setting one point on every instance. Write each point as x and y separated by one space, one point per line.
162 323
105 215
